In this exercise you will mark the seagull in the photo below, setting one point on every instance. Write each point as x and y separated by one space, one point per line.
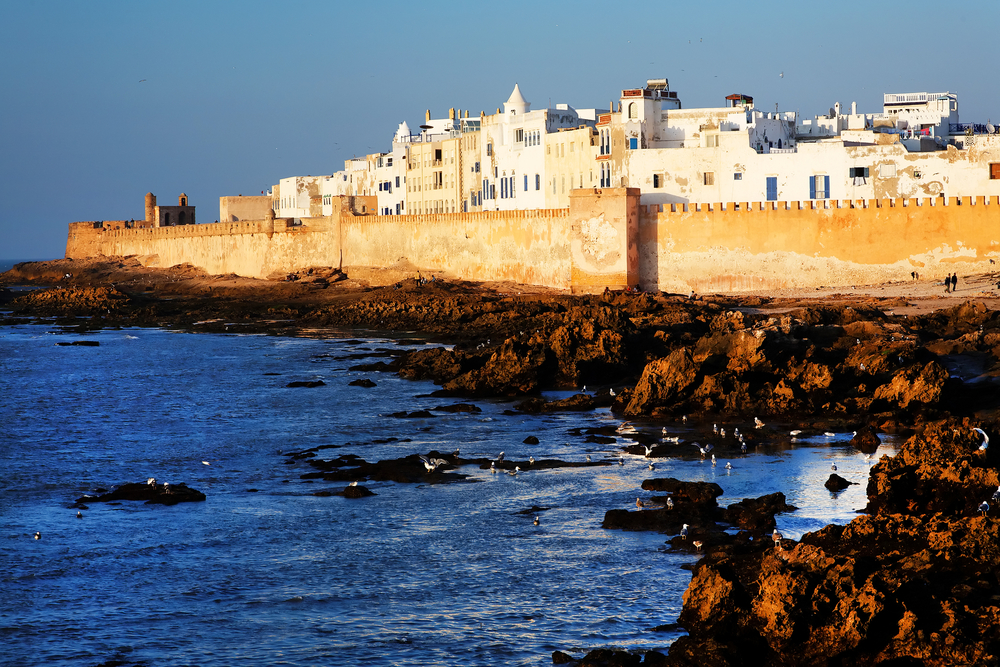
713 460
984 507
673 439
499 457
611 391
588 458
79 515
536 522
639 503
430 464
704 450
996 495
621 461
531 460
757 422
585 389
649 450
455 453
670 503
776 536
626 427
830 434
986 439
38 535
652 466
715 429
684 531
513 473
663 431
729 466
697 544
493 468
795 432
743 447
684 419
354 483
833 467
722 432
151 481
206 463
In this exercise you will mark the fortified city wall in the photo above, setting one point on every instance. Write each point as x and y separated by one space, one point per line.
604 239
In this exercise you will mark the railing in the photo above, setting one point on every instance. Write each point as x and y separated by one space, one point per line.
963 128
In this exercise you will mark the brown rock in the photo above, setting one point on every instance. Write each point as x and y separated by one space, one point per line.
663 382
915 385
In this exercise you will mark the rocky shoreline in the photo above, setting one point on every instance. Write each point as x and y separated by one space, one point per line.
913 580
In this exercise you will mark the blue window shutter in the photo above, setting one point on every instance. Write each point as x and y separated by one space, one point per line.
633 143
812 187
772 188
525 182
826 186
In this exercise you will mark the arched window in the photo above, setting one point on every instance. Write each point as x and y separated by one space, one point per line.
633 110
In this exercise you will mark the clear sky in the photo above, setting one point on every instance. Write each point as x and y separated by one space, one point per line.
105 101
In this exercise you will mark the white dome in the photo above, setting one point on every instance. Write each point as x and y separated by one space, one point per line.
516 103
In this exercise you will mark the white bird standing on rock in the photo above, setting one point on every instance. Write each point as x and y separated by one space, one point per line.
652 466
499 457
684 531
670 503
776 536
713 460
639 503
151 481
984 507
986 439
996 495
531 460
611 391
757 422
795 432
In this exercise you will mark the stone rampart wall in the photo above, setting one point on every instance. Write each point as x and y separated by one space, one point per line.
767 245
604 239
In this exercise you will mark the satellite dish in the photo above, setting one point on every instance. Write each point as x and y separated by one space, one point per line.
990 128
426 127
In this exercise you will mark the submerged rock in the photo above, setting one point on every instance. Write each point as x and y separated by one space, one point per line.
152 494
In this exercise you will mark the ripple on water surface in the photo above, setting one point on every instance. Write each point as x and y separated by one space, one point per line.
418 574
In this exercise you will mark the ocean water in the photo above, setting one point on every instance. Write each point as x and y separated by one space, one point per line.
264 572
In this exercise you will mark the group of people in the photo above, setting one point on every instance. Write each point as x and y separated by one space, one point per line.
951 283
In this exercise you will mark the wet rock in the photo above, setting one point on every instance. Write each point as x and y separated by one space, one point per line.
152 494
837 483
531 440
459 407
416 414
560 658
306 383
866 440
83 343
574 403
911 582
663 382
757 514
357 491
363 382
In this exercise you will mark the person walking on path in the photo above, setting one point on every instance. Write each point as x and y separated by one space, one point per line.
947 284
954 282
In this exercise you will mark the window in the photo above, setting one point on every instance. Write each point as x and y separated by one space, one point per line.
525 182
887 170
712 141
994 170
437 154
389 162
819 187
633 110
489 148
477 167
738 176
538 181
519 135
772 188
656 180
397 181
859 174
709 178
633 143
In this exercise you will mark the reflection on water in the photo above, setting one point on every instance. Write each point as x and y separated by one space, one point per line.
265 572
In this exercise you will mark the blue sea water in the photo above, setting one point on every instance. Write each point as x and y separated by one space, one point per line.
264 572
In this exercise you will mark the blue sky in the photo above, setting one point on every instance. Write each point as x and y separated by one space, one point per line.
105 101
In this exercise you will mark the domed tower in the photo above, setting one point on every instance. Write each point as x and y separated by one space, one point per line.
150 208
